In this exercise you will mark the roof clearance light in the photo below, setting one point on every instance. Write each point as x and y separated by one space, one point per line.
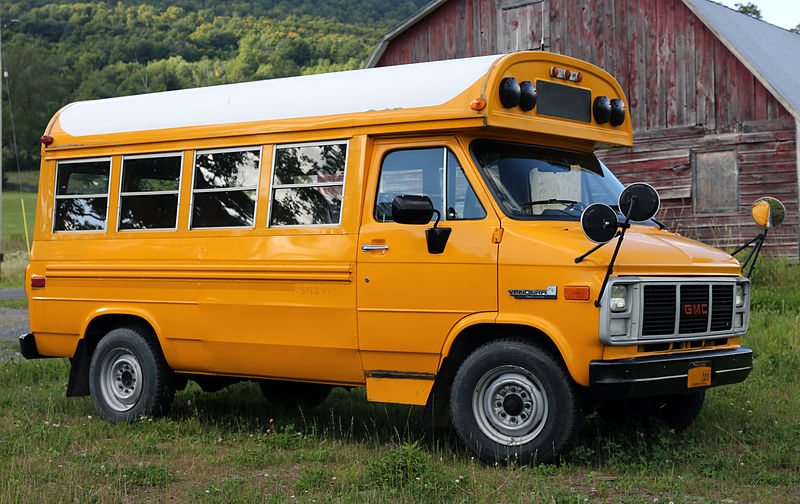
478 104
527 96
602 109
617 112
47 139
509 92
563 73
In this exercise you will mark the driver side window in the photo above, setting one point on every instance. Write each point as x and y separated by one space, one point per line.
434 172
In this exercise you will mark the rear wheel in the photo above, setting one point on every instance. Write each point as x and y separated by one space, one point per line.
291 395
511 401
128 376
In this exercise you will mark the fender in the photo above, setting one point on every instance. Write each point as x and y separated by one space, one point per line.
463 324
135 312
577 366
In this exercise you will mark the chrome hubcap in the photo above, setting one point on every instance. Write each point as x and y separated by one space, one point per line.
121 379
509 405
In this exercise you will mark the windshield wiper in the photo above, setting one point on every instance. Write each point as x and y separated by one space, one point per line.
569 203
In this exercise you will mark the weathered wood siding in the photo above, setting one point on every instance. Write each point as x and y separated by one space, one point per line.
673 70
766 164
686 91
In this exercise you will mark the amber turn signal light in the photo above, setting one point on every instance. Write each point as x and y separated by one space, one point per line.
578 293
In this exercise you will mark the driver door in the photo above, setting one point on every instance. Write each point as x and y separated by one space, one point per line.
409 299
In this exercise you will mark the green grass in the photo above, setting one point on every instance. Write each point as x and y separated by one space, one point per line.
15 303
12 270
13 227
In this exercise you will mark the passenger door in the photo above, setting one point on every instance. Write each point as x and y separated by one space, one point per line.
410 299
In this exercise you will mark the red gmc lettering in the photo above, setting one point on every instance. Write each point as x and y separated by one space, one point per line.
695 309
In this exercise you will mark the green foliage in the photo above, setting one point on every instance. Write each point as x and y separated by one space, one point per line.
775 285
749 8
399 466
796 29
57 52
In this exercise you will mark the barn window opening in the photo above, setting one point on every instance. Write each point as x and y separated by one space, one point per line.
715 184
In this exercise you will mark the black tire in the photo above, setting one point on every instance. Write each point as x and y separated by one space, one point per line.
538 416
291 395
677 411
129 377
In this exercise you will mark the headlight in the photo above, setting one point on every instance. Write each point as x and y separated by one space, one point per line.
618 301
739 295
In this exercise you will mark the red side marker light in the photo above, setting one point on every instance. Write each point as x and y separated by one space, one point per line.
47 139
37 281
576 292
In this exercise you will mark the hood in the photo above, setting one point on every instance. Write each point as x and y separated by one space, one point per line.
645 250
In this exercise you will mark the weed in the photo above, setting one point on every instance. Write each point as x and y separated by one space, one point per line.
399 466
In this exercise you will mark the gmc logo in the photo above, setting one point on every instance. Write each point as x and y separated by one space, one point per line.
695 309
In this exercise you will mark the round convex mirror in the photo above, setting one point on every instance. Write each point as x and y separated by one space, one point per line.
599 222
639 202
768 212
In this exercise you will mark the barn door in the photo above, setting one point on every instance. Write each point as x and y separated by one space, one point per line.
523 24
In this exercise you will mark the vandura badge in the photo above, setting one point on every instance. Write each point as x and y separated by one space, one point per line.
551 292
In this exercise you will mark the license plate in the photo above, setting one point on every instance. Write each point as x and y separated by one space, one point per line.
699 374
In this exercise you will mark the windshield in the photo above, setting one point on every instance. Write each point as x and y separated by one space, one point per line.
532 182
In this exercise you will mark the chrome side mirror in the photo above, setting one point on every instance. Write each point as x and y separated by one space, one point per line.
768 212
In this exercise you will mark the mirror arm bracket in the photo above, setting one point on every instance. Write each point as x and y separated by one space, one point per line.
610 269
437 237
593 249
752 257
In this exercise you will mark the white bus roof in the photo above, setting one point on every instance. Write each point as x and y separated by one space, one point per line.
374 89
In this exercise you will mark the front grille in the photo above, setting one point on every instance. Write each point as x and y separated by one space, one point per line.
694 309
722 315
686 309
659 310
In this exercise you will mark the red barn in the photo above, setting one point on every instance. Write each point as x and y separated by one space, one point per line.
714 95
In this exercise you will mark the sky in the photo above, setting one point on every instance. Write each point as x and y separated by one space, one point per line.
783 13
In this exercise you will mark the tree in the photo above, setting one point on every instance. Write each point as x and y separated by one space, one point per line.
750 9
796 29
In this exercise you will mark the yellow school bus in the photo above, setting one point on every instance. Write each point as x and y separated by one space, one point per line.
415 230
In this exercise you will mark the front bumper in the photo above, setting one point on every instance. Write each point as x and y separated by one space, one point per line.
665 374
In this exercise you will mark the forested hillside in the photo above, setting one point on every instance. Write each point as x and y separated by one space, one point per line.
58 52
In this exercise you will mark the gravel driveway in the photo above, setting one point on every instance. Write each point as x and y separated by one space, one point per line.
13 322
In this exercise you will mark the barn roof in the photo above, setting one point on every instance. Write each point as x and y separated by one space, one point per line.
766 50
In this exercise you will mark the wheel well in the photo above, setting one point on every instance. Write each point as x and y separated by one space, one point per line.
437 412
99 326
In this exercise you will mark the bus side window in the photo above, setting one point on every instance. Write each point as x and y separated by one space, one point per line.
149 191
82 195
420 171
308 184
225 186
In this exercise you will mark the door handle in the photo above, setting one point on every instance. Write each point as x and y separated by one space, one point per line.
372 248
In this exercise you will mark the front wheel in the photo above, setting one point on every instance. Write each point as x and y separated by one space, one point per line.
511 401
128 376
